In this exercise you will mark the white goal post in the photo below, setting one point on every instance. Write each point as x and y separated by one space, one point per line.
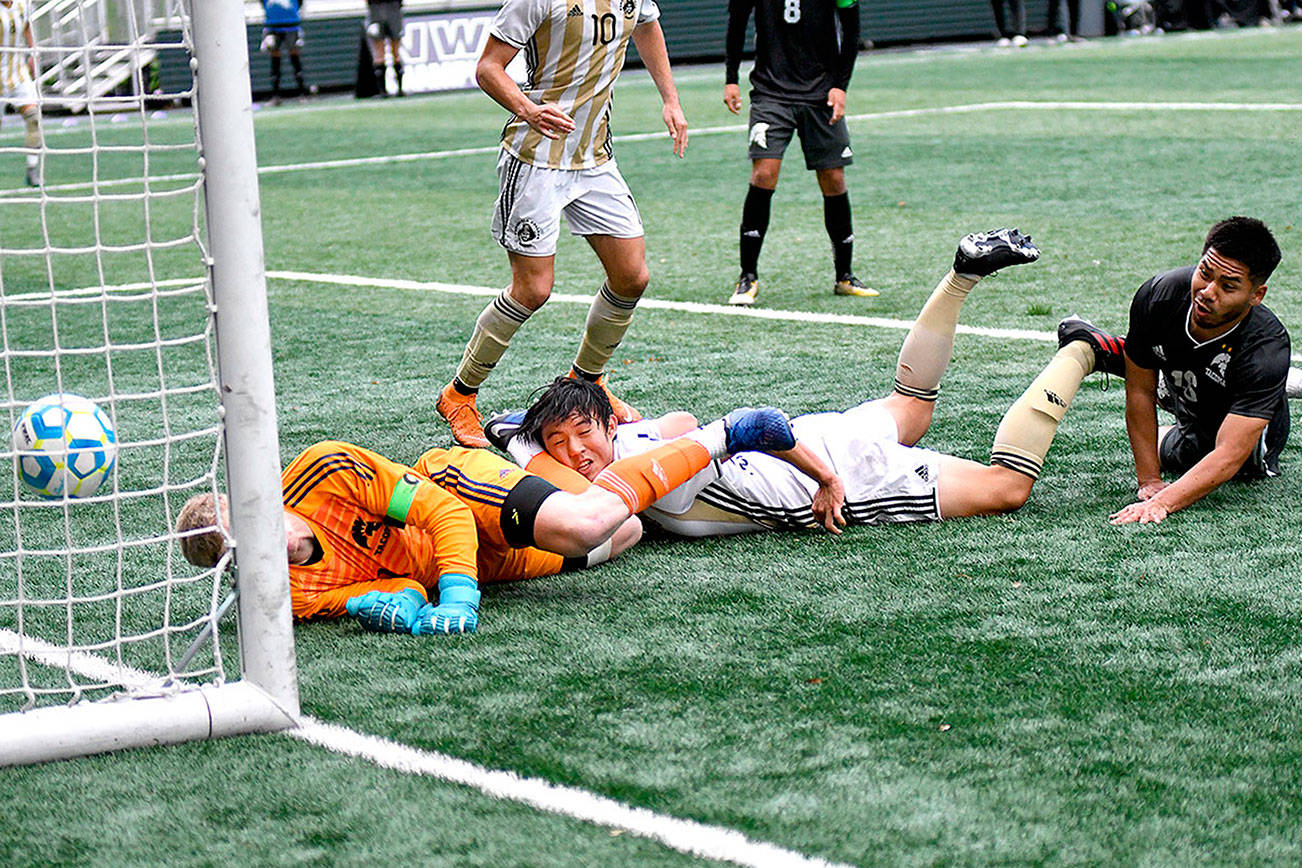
134 276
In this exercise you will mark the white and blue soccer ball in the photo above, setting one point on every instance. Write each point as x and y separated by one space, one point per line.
65 446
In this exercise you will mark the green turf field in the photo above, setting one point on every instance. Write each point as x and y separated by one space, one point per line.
1038 688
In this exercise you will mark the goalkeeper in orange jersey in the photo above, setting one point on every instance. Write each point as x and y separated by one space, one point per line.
375 539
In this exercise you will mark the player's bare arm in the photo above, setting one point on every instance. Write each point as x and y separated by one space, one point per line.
676 424
829 499
650 42
836 99
1235 440
1141 427
492 78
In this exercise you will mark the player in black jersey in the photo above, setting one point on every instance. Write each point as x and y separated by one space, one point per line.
802 69
1203 346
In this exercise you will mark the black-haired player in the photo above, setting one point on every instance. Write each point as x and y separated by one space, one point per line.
1203 346
802 69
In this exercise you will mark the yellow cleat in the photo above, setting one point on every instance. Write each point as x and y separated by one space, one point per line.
462 417
747 289
851 285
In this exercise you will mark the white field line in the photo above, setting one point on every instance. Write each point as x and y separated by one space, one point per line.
685 836
421 156
660 304
680 306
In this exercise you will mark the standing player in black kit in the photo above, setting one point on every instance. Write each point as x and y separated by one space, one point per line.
1203 346
802 68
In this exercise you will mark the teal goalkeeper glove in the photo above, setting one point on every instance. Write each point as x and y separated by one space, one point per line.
456 612
387 612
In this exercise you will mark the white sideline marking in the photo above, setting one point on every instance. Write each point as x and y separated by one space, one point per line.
661 304
681 306
685 836
25 194
1019 105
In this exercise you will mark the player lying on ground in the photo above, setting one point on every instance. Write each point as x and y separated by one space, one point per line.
886 478
373 538
1202 346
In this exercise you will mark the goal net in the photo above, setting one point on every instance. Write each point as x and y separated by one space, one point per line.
133 276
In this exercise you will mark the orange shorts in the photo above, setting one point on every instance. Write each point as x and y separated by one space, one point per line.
503 498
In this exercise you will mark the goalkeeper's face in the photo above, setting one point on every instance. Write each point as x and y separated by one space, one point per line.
581 443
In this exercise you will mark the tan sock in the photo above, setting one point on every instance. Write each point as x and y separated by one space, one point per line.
930 343
492 335
1027 430
608 320
643 479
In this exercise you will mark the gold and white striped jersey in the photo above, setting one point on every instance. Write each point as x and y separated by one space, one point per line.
574 50
13 35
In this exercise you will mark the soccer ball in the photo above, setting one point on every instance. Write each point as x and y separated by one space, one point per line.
65 446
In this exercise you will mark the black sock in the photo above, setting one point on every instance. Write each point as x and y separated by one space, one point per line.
275 74
840 229
462 388
381 86
591 378
297 62
397 73
754 223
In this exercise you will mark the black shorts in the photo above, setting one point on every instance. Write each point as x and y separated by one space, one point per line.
384 20
772 123
1181 449
274 39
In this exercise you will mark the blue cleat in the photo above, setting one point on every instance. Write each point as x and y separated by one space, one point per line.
502 428
764 430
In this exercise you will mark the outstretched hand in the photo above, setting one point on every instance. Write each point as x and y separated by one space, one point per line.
829 500
676 121
1141 512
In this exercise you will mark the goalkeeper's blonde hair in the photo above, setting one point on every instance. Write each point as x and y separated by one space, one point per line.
210 514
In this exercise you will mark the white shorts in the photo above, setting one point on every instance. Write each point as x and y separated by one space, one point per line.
531 200
885 481
23 94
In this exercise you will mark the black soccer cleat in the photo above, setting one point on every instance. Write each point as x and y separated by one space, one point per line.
502 428
1109 350
983 253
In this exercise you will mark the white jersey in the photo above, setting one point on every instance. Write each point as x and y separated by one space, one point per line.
885 481
574 50
14 51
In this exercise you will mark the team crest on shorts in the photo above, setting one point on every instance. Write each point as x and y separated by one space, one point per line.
629 8
526 232
759 135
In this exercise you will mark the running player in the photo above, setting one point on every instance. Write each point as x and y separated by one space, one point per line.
1202 346
18 74
885 477
802 69
373 538
556 159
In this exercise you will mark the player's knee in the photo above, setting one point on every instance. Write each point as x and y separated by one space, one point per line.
631 284
764 174
831 181
1010 490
